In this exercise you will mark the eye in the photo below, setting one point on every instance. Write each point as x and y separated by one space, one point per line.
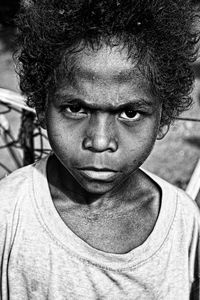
74 110
130 115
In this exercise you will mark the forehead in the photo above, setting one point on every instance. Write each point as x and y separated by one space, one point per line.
106 71
108 63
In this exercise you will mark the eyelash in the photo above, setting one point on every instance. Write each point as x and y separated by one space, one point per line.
81 114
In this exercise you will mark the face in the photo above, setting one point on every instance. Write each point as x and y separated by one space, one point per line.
103 122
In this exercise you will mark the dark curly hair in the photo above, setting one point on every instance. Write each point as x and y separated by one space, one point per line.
160 32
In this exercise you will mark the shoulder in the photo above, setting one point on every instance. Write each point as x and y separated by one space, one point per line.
186 208
14 191
17 195
14 186
188 211
18 188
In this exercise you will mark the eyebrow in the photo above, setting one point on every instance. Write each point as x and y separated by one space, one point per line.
134 104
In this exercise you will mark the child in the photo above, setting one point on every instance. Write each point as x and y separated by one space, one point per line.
107 77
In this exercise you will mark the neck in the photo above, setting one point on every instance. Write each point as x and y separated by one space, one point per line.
64 187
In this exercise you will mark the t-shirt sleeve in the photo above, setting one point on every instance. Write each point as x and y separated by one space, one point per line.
5 212
9 202
5 244
190 226
195 288
14 189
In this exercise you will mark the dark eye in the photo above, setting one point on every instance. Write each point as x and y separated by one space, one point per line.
75 110
130 115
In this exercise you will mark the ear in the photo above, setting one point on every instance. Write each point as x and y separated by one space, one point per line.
41 115
162 132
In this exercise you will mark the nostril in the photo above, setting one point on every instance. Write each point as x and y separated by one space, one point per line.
87 143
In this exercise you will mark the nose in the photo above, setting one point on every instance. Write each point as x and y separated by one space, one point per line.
100 134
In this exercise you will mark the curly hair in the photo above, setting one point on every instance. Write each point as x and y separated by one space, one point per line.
160 33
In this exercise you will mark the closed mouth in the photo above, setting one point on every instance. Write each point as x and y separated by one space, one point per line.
98 173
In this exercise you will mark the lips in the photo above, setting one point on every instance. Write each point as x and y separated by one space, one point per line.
102 174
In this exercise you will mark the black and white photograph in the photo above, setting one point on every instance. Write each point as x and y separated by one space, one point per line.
100 150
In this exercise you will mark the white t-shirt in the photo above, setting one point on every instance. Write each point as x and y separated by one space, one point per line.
42 259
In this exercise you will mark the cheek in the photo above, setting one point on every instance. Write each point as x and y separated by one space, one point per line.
140 136
66 142
59 131
138 145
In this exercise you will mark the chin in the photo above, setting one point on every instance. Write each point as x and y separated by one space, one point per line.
97 188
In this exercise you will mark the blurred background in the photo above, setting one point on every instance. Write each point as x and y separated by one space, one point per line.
174 158
8 9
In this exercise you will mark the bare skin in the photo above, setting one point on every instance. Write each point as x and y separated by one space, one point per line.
102 126
117 227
